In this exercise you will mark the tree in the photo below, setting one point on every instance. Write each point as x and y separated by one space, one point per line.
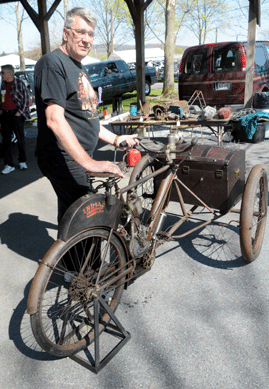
19 19
11 10
169 48
204 15
172 14
111 17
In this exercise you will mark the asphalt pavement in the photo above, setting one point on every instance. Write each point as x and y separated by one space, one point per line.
198 319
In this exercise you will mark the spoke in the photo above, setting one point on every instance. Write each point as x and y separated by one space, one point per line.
87 258
61 339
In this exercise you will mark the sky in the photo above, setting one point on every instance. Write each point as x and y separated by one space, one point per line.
31 36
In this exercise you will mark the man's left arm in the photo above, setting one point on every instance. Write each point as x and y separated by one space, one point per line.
23 99
109 137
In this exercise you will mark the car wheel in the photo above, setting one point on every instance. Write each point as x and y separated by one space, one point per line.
147 88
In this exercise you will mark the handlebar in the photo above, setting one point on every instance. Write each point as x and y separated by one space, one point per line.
161 147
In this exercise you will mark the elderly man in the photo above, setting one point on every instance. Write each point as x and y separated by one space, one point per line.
14 109
68 123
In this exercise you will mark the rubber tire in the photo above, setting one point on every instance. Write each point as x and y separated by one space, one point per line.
256 184
144 166
147 88
48 320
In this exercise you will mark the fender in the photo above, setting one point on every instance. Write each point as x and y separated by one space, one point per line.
87 212
46 262
36 285
42 269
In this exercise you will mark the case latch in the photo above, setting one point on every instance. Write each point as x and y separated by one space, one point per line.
185 169
236 173
219 173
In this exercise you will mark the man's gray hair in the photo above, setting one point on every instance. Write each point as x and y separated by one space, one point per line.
83 13
8 68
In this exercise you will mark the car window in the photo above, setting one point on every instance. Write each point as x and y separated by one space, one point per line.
225 59
112 68
21 76
261 60
196 62
27 77
94 71
31 79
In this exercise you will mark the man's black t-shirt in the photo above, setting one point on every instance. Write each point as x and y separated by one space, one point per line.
64 81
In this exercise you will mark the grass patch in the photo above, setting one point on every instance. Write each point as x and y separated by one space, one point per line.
129 98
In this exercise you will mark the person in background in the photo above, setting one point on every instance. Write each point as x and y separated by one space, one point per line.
68 122
14 109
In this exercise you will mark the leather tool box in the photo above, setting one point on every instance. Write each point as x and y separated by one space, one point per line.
216 175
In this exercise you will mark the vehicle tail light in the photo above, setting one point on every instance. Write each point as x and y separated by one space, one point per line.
180 67
243 62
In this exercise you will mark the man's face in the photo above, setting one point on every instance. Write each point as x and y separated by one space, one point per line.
6 75
78 41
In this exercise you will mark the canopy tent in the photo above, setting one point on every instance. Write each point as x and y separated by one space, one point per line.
89 59
154 54
14 60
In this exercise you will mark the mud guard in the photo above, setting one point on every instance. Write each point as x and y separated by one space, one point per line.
87 212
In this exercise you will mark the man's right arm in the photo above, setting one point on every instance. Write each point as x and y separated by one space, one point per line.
67 139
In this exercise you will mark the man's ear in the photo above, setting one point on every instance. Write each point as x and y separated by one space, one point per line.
65 32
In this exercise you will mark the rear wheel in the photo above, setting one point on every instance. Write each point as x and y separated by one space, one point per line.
253 213
63 323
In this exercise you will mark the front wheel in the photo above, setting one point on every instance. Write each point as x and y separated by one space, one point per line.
253 213
63 323
146 192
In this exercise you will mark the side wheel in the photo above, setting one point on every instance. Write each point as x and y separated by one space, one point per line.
63 323
253 213
147 88
145 191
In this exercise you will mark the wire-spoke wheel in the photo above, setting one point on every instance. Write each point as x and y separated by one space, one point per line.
63 323
253 213
145 191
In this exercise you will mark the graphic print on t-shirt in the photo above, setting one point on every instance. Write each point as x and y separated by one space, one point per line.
86 94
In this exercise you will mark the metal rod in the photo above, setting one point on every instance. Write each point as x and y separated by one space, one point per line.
192 230
114 279
160 200
142 180
204 204
181 201
104 258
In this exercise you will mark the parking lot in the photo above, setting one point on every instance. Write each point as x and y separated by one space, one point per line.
198 319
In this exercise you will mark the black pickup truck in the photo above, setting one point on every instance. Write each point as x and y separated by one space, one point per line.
115 78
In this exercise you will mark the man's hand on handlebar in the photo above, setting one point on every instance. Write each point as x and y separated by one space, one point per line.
106 167
127 141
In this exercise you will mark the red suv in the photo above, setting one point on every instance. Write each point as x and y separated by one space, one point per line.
219 71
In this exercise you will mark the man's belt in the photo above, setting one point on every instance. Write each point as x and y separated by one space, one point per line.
11 111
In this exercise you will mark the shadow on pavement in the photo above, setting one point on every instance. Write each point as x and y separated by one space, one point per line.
215 245
21 334
34 239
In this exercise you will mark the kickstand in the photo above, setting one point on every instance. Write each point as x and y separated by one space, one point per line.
116 330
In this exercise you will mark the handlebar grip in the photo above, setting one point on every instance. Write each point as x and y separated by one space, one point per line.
123 144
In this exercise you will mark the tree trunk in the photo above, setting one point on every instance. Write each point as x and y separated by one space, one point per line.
66 7
169 48
111 32
19 35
